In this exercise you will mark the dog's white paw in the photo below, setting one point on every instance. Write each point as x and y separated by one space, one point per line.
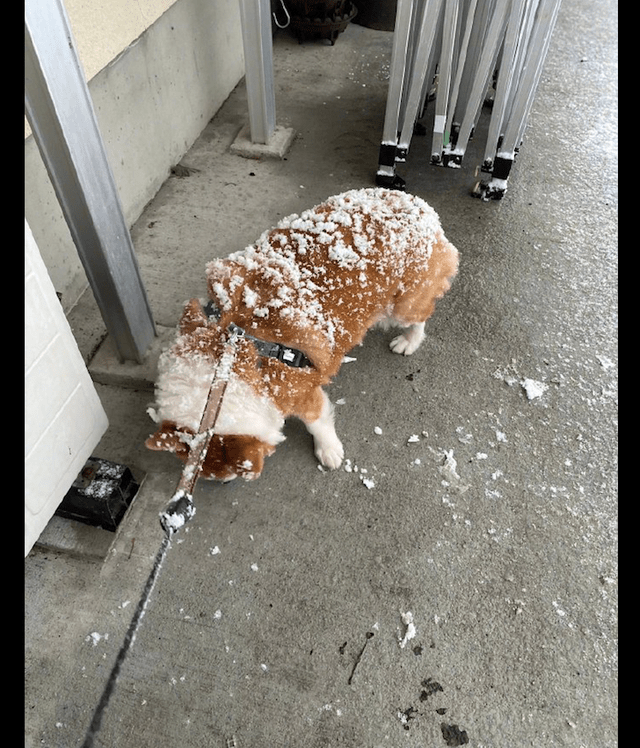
405 346
409 341
330 454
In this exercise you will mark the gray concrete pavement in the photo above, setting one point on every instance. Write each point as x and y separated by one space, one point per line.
277 619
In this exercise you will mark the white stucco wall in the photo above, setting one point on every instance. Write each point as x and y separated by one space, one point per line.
158 70
104 28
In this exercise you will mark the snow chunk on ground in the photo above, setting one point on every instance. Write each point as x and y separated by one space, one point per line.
410 632
449 466
605 362
509 375
533 388
449 471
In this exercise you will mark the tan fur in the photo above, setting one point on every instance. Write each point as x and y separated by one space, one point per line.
316 283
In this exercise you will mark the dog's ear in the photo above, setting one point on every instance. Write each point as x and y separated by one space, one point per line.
168 439
225 279
234 455
253 455
193 316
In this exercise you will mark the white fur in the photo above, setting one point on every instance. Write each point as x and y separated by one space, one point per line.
181 396
182 389
328 448
409 341
244 412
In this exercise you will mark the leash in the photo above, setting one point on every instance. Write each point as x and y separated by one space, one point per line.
177 513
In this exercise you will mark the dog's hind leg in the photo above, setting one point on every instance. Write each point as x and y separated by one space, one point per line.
409 341
417 301
328 448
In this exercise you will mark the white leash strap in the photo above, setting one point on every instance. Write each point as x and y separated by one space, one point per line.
178 511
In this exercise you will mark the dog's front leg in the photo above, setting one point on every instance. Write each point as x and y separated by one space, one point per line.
328 447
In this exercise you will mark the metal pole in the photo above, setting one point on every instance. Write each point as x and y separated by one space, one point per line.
428 28
60 112
399 72
258 60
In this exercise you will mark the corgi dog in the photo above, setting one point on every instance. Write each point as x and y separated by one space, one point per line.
298 299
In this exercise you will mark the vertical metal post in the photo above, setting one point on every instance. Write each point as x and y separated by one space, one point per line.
482 74
60 112
441 136
399 71
506 77
428 29
547 13
462 58
258 60
537 28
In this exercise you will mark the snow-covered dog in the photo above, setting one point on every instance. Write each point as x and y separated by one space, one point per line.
301 297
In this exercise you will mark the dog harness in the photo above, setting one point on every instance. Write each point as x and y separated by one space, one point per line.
289 356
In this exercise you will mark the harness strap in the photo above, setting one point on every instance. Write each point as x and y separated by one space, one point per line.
285 354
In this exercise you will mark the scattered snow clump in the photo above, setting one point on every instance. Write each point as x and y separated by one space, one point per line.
411 631
534 388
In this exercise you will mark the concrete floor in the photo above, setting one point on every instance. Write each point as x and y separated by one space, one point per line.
277 617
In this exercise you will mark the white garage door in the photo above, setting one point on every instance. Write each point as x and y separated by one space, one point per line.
64 418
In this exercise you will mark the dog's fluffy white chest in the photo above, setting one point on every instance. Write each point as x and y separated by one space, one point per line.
181 396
